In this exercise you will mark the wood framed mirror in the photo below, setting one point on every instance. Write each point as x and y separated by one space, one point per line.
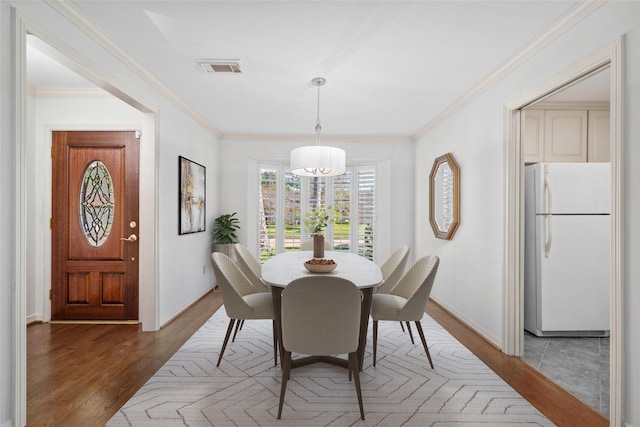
444 196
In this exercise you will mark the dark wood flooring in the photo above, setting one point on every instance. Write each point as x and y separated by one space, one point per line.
80 375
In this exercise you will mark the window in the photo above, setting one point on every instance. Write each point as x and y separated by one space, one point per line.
285 198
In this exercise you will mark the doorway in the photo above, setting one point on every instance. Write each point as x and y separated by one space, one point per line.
35 258
566 267
513 337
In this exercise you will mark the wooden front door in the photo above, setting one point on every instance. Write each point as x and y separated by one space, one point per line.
95 225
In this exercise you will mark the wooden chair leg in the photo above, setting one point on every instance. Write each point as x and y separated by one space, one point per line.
375 341
354 367
410 333
237 329
285 377
226 339
424 342
275 345
402 326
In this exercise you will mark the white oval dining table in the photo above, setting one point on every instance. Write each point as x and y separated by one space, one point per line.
282 269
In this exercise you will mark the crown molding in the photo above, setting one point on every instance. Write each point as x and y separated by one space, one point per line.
574 15
312 139
66 9
70 92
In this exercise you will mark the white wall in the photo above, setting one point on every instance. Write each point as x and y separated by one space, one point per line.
470 276
239 187
185 266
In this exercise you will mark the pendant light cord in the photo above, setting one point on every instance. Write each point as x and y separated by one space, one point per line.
318 125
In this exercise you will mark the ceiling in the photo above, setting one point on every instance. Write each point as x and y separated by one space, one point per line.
391 66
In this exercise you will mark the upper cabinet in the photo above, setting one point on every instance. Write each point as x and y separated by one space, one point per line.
598 145
566 134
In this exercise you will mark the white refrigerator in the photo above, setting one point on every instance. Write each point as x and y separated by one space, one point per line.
567 249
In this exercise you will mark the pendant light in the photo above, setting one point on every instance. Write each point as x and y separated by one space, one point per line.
318 160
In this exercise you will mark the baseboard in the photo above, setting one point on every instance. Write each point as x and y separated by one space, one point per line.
475 328
175 316
34 318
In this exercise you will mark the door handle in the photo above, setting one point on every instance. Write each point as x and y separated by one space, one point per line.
131 238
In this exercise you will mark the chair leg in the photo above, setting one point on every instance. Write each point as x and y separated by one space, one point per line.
410 333
275 345
402 326
285 377
354 367
226 340
238 325
375 341
424 342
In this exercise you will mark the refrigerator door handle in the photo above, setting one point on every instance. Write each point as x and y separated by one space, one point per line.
547 186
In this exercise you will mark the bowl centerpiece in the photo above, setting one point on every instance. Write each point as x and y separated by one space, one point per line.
321 265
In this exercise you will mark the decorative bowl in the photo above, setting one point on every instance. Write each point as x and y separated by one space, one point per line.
320 265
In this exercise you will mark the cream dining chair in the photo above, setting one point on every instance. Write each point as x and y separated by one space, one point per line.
407 300
250 266
321 317
241 300
392 270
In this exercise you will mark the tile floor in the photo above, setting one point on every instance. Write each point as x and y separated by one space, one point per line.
580 365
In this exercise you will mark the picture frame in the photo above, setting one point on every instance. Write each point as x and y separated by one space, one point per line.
192 196
444 196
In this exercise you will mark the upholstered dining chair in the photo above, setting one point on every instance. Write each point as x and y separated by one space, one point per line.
407 300
307 245
250 266
241 300
321 317
393 269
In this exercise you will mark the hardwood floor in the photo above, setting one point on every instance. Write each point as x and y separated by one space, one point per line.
80 375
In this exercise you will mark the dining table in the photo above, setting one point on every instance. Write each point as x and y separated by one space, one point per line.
283 268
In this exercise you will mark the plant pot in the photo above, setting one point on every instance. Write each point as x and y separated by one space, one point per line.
225 248
318 246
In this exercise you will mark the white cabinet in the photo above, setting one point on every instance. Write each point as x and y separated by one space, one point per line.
533 135
599 144
565 135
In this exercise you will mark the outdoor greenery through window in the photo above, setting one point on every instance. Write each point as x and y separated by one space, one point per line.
285 198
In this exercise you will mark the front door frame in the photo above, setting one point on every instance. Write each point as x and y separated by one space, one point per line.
513 257
148 211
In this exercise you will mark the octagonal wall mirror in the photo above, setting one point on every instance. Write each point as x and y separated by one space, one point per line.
444 196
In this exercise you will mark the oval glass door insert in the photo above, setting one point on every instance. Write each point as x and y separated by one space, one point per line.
96 207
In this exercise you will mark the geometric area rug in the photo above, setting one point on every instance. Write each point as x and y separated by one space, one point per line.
402 390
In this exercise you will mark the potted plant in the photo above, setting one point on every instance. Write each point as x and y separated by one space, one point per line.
224 233
316 221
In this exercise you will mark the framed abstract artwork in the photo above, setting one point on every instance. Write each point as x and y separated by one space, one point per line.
192 189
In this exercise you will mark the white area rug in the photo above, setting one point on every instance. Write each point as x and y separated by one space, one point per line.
402 390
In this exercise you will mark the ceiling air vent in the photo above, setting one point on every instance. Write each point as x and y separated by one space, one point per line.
220 65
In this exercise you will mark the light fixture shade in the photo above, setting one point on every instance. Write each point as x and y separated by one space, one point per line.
317 160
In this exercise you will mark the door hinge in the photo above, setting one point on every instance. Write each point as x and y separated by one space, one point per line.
51 223
50 293
138 134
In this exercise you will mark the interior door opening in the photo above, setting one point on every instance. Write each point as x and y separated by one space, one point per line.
568 128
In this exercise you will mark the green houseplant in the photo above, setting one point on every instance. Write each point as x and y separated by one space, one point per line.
224 229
